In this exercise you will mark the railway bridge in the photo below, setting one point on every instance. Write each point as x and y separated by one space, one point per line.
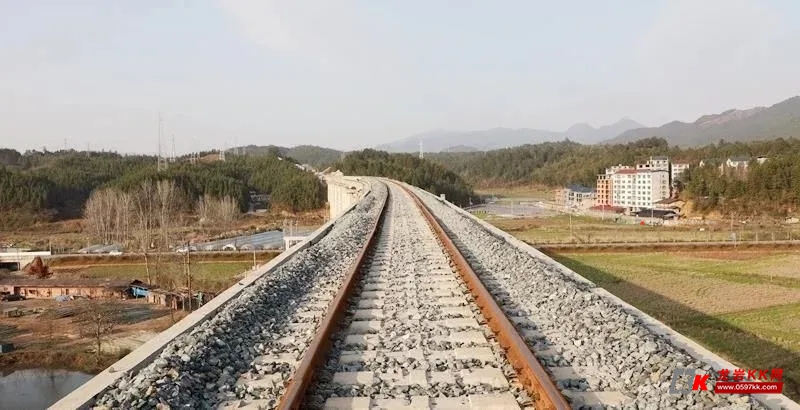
15 259
404 300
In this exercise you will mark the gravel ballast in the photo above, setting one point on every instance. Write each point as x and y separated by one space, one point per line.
253 334
613 349
407 293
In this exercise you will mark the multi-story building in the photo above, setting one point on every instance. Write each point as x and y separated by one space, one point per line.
614 169
676 170
639 188
656 187
635 187
604 189
659 163
623 187
578 196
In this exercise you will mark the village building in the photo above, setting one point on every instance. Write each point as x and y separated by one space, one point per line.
51 288
677 169
603 193
576 196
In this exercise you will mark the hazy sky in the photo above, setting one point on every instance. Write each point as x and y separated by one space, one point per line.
351 74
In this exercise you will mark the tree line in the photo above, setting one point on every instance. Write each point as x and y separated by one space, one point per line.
58 185
421 173
770 188
773 186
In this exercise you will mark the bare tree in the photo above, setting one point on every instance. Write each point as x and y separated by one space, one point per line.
98 211
228 210
222 211
144 206
168 205
50 326
124 206
108 215
100 318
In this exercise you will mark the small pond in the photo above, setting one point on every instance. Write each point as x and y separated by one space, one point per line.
34 389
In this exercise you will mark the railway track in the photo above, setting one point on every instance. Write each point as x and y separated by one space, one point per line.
598 353
414 330
407 304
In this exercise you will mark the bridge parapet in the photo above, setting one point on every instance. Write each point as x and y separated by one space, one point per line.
21 258
343 192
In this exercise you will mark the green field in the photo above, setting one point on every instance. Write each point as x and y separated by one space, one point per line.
742 306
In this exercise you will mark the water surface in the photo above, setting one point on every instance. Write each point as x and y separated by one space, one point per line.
35 389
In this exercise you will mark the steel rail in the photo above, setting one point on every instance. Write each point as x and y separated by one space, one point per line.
534 378
319 348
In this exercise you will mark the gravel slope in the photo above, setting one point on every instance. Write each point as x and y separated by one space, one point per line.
612 349
248 350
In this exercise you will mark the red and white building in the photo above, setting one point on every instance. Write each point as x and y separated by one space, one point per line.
634 187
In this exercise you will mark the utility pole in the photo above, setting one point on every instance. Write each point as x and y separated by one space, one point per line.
571 234
188 275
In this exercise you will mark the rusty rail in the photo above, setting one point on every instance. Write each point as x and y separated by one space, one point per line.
530 372
318 350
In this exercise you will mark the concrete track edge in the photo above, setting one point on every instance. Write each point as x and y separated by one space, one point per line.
83 397
692 348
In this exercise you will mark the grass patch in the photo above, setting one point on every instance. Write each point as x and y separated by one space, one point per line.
75 358
583 229
729 306
206 276
202 271
523 191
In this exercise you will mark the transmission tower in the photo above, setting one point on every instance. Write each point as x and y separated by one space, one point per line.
162 162
172 159
420 148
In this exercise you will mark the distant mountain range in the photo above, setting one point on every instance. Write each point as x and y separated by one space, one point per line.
495 138
779 120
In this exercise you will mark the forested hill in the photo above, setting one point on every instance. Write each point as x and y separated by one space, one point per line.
58 184
410 169
566 162
549 163
773 186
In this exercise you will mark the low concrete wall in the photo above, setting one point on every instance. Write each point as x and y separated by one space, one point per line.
343 192
22 258
83 397
692 348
